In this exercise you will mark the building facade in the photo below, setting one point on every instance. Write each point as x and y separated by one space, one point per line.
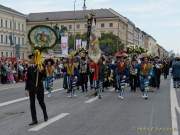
107 21
130 33
14 27
12 33
136 36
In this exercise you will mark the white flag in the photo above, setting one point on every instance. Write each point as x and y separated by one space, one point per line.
78 44
84 44
64 45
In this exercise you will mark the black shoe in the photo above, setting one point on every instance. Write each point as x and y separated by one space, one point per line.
46 119
33 123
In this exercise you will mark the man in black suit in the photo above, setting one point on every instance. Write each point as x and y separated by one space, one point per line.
34 88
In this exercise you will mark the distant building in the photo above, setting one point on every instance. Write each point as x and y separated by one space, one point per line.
108 21
130 33
14 27
12 33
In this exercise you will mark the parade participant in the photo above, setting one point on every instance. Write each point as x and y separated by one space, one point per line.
121 74
107 74
71 78
112 77
34 88
49 75
83 71
165 68
156 72
95 69
145 74
176 72
133 71
91 73
101 77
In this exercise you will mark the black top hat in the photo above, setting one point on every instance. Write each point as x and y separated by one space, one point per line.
49 60
31 56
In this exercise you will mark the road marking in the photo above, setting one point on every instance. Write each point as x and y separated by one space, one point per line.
91 100
178 109
111 90
50 121
17 85
174 104
13 87
23 99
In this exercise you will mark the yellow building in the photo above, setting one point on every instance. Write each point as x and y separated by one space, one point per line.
12 33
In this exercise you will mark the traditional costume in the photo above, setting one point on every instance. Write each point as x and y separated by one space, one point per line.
145 75
71 76
49 75
121 73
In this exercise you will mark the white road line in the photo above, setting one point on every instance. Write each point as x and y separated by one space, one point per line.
174 104
111 90
23 99
50 121
13 87
91 100
178 109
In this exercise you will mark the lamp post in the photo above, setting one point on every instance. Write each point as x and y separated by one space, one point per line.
74 23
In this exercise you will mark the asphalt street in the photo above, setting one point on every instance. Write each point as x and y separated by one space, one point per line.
87 115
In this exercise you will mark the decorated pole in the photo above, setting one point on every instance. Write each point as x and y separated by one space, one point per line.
41 38
94 51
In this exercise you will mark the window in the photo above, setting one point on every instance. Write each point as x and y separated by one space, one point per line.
6 54
6 39
111 25
19 27
6 23
22 27
11 54
15 40
2 54
22 55
22 41
14 25
78 26
19 41
1 38
102 25
70 27
85 25
10 24
1 22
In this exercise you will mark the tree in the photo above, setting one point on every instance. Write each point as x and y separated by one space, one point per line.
110 43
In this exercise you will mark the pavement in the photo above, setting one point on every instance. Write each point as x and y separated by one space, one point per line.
87 115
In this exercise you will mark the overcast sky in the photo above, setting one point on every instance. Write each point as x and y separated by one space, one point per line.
159 18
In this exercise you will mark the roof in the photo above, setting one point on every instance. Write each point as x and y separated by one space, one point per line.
69 15
7 9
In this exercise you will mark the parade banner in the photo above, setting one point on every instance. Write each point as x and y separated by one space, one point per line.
64 45
78 44
84 44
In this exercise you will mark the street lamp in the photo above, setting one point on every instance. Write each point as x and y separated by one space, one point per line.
74 23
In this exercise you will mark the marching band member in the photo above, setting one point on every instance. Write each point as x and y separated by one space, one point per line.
121 75
49 75
145 75
133 75
71 79
83 71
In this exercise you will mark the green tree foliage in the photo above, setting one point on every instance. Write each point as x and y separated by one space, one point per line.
110 43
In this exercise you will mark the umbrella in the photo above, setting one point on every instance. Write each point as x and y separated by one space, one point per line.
121 54
49 60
